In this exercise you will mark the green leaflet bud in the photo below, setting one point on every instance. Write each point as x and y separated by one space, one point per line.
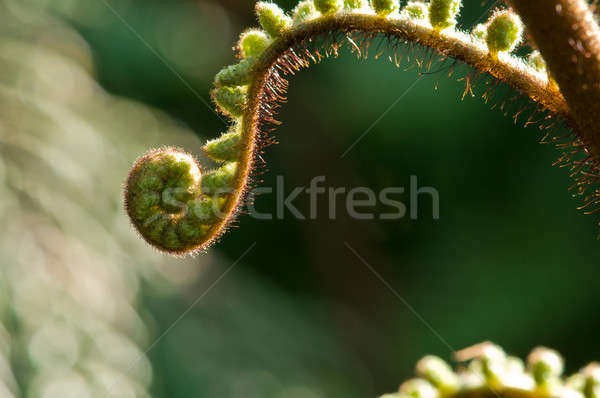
253 42
545 364
355 4
417 10
418 388
219 181
304 11
328 6
438 373
537 61
443 13
272 18
504 31
230 100
479 32
385 7
234 75
226 147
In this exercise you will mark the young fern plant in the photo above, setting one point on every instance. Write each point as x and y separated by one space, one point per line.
489 372
179 208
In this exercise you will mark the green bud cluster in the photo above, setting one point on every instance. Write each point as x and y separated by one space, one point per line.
489 368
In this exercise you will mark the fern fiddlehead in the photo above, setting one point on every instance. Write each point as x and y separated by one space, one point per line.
490 372
180 217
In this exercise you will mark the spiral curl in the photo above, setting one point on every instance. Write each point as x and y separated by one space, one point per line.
179 209
171 202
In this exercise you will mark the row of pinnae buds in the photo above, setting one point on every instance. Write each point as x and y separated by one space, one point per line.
488 369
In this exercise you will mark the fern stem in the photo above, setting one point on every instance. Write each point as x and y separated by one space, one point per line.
248 93
450 44
568 37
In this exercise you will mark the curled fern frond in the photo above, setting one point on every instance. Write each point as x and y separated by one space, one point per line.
171 202
489 372
248 92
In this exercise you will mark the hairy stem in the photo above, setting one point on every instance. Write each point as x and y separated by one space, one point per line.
179 215
449 43
568 37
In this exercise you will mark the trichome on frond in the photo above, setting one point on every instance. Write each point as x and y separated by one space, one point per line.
249 91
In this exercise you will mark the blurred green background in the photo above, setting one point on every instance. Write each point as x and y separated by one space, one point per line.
88 310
